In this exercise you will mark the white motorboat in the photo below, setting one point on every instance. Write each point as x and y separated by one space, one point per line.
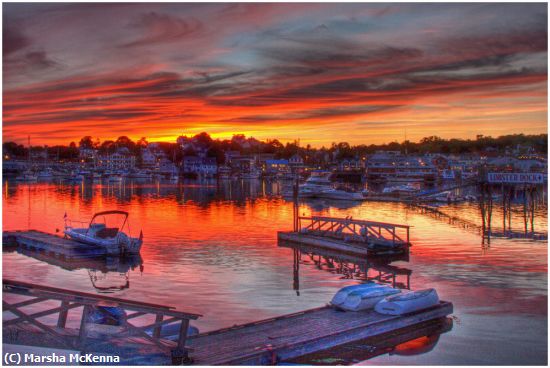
26 176
343 293
448 174
138 174
45 174
400 190
105 235
408 302
446 197
250 175
331 193
363 299
115 179
76 178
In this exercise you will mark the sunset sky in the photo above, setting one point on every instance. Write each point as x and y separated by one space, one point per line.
362 73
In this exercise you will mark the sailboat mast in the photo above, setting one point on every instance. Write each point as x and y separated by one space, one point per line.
29 155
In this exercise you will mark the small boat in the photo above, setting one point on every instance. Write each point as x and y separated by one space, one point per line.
171 331
331 193
107 319
45 174
408 302
363 299
342 294
448 174
250 175
115 179
104 235
401 190
27 176
76 178
138 174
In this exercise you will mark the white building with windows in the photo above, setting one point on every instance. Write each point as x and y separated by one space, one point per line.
121 160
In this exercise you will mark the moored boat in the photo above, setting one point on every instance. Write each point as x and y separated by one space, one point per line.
408 302
363 299
343 293
26 176
105 235
115 179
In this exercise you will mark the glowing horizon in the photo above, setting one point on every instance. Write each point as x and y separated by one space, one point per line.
318 72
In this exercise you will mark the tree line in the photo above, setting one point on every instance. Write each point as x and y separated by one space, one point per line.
342 150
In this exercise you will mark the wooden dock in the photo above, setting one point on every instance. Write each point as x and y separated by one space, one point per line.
294 335
263 342
51 244
348 235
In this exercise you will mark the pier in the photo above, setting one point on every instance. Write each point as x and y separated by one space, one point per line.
348 235
61 306
51 244
290 336
267 341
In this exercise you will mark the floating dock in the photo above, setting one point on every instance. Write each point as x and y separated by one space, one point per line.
291 336
263 342
358 237
51 244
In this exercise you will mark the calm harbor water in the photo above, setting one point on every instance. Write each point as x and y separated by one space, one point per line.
212 248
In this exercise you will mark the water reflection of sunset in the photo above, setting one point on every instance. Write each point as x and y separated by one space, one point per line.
213 249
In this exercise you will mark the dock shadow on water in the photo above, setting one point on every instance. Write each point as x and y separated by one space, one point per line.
212 248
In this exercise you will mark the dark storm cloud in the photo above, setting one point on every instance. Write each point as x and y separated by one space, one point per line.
13 38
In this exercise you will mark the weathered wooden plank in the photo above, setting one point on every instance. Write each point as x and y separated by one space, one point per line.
299 334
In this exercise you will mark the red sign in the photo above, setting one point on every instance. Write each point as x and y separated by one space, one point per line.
516 178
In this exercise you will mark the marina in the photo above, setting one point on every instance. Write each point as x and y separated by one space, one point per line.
327 184
308 269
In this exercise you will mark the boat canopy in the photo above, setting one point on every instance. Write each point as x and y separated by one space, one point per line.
112 212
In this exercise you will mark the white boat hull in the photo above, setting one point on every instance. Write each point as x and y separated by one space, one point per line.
340 297
366 299
408 302
113 246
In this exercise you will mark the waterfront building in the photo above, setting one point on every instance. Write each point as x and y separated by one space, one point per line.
231 156
122 160
87 153
296 163
148 159
352 164
393 167
273 167
203 166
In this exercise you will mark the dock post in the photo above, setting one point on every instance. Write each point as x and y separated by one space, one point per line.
503 208
295 190
525 207
62 319
179 354
156 332
82 332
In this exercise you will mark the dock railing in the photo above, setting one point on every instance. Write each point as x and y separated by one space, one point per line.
87 303
357 230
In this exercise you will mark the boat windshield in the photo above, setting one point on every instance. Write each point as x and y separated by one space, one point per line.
109 219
